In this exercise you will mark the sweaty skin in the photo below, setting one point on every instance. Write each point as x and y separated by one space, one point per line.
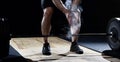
73 16
60 6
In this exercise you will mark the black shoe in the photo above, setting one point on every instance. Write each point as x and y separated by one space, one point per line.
74 48
46 49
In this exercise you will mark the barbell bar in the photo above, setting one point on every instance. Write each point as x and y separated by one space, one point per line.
81 34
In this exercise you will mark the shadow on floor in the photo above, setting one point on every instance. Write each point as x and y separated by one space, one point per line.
12 58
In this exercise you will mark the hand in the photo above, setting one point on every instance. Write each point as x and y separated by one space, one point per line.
68 16
73 17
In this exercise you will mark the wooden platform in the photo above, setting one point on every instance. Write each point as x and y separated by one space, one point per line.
31 48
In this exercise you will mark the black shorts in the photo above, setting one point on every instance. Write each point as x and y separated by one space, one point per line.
47 3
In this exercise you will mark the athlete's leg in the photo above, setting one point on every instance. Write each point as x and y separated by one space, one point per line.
75 24
46 22
45 28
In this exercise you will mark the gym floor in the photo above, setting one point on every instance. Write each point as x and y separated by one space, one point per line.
28 49
96 43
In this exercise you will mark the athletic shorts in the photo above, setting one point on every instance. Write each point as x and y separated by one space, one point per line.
47 3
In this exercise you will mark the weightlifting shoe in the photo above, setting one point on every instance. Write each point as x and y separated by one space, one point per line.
46 49
75 48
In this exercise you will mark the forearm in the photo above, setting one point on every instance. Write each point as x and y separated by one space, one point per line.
75 5
76 2
60 5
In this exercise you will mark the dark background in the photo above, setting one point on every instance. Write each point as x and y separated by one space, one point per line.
25 16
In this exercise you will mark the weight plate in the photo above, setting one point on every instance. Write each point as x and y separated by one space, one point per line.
114 29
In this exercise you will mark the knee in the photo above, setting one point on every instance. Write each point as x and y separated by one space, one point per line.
48 11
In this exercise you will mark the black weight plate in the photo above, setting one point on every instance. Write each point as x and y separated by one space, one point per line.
114 29
4 37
